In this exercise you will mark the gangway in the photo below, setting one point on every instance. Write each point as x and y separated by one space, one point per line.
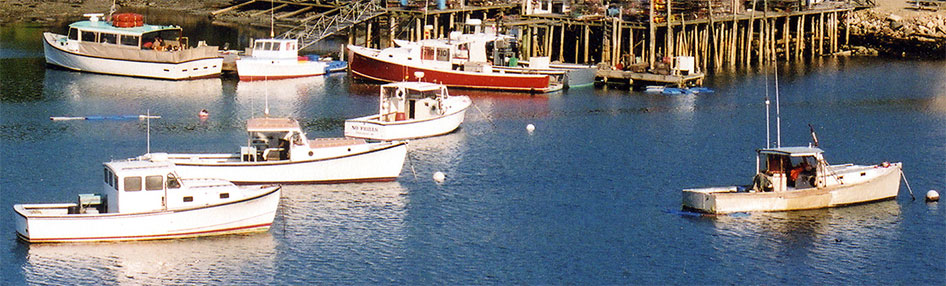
318 27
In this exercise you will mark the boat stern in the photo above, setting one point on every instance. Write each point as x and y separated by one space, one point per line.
704 199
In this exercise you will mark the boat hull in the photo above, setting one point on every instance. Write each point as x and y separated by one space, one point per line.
131 61
268 69
370 127
728 200
372 165
363 64
252 214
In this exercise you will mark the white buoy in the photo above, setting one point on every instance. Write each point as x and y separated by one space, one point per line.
530 127
932 196
439 177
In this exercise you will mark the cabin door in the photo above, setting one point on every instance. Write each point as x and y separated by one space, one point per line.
411 107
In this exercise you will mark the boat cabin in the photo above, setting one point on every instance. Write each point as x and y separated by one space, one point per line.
787 168
127 33
411 101
467 52
273 139
145 186
274 48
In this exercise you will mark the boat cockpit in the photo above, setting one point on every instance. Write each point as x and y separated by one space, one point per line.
272 139
788 168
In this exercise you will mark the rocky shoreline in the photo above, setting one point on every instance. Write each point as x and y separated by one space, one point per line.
889 29
889 34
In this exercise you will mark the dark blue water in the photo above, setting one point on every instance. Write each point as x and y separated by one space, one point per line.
581 200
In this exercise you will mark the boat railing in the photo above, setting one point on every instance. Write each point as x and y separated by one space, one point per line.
134 53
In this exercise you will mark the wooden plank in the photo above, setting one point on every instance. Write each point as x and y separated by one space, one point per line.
268 10
297 12
231 8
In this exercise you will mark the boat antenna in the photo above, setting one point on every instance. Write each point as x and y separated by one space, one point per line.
111 10
272 19
148 127
814 137
778 116
768 132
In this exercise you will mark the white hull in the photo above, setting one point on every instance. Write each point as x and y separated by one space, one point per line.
371 127
883 184
264 69
255 213
138 63
364 163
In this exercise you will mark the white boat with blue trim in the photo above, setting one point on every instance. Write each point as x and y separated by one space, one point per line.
410 110
146 201
126 46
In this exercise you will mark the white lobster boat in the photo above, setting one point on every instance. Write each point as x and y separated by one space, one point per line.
278 152
126 46
149 200
797 178
270 59
411 110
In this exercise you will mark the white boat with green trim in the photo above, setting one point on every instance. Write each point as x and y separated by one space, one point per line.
126 46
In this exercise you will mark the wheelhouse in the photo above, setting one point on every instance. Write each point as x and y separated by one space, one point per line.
411 100
275 48
142 37
272 139
139 186
791 167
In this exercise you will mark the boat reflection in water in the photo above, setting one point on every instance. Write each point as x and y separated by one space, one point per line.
354 224
183 261
286 97
859 235
77 85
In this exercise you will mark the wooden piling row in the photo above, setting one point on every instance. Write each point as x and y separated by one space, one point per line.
732 40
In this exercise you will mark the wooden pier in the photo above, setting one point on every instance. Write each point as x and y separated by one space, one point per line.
715 33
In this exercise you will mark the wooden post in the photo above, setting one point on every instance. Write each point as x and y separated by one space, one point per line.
561 43
669 49
847 29
786 37
821 33
651 39
548 42
587 42
577 46
800 37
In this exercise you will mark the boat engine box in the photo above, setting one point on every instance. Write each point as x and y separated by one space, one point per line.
91 203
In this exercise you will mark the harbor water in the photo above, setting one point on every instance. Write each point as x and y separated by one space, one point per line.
591 196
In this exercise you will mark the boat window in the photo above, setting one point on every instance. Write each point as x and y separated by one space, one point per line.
173 183
291 46
427 53
108 38
154 183
88 36
267 46
109 177
258 46
132 184
129 40
73 34
443 54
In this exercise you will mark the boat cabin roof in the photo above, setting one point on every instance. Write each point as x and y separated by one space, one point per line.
275 40
268 124
102 26
414 85
792 151
140 167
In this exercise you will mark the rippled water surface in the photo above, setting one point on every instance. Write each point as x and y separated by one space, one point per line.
583 199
